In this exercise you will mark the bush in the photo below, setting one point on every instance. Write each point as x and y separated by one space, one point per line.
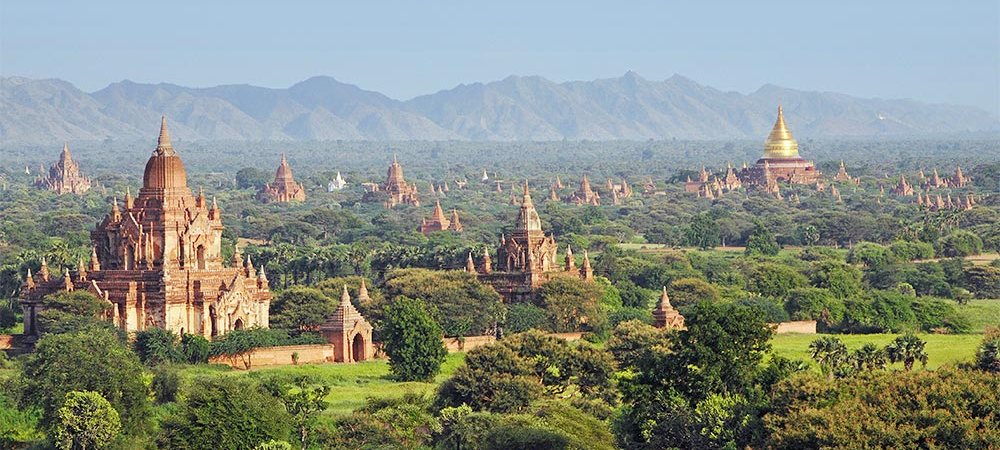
8 317
225 412
870 254
300 307
195 349
412 341
166 383
770 310
984 281
774 280
960 243
517 437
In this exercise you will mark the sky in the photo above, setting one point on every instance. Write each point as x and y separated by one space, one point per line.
934 51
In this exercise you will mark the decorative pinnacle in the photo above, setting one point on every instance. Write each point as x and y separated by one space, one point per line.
163 145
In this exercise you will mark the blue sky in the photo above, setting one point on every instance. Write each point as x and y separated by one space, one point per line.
936 51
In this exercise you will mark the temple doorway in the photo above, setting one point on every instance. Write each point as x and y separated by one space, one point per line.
201 257
358 348
238 325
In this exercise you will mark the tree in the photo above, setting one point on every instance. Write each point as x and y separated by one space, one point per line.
960 243
225 412
85 421
703 231
572 304
156 346
68 311
815 304
301 308
830 353
94 360
523 317
240 344
304 403
494 379
461 304
251 178
907 349
809 411
688 291
774 280
412 341
761 241
869 357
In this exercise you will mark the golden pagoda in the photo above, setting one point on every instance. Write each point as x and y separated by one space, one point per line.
781 156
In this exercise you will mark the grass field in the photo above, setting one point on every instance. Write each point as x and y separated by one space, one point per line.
942 349
351 384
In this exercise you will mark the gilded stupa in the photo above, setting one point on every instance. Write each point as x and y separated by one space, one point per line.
781 155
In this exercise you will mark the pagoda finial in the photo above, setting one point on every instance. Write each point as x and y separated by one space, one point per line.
363 291
345 297
29 281
470 266
95 263
163 146
44 270
237 257
664 303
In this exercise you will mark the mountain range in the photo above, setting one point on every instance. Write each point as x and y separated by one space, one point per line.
629 107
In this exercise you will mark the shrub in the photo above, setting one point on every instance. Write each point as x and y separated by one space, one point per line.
518 437
870 254
225 412
194 349
774 280
628 314
85 421
770 310
933 314
8 317
166 383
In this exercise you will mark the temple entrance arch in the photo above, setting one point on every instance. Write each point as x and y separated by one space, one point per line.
238 325
358 348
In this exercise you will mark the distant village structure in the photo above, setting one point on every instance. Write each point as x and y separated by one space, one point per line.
527 258
438 222
284 188
158 262
64 176
396 190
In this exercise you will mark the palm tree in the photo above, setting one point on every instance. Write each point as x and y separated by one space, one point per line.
869 357
907 349
829 352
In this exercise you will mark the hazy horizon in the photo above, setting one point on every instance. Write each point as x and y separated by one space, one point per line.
931 52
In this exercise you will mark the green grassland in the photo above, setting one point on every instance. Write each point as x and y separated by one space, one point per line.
942 349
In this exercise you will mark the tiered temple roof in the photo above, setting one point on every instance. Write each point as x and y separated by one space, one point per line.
284 188
158 261
65 176
585 195
438 222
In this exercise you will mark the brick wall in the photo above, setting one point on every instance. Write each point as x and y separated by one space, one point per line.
471 342
281 356
798 326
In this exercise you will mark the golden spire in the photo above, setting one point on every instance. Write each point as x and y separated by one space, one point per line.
780 143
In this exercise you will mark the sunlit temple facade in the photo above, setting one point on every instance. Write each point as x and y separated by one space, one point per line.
64 176
781 162
157 261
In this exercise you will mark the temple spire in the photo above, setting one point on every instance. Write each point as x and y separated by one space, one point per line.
163 146
470 266
363 291
345 297
780 143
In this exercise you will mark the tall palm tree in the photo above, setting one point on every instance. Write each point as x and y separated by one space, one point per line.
830 353
907 349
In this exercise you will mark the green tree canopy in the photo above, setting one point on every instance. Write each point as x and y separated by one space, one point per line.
85 421
412 340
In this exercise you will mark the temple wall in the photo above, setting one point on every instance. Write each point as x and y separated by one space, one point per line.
281 356
798 326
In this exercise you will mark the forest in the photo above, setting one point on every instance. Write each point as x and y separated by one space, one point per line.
886 280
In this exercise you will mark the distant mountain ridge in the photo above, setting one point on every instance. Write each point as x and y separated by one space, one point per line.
516 108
